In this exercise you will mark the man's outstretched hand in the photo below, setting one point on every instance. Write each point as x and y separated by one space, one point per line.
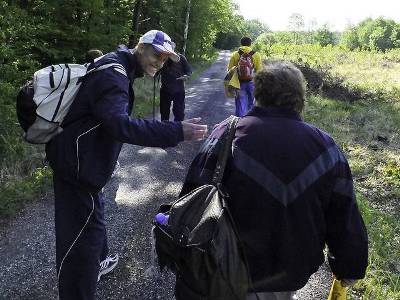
192 131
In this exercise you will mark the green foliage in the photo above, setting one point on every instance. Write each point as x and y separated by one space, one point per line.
237 27
210 17
143 105
382 280
368 132
321 36
143 87
392 171
324 37
230 37
279 37
368 74
16 192
375 166
207 18
254 28
37 33
373 34
350 38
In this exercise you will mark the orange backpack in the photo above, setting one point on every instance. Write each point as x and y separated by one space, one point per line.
245 66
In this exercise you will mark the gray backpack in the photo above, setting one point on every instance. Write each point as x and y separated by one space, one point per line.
43 103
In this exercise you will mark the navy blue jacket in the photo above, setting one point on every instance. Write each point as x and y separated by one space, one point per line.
291 193
99 122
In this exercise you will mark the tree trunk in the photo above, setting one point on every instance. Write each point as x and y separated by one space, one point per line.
134 38
185 33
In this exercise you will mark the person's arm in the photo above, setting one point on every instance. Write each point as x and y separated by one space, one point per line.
347 237
257 62
110 109
187 69
202 167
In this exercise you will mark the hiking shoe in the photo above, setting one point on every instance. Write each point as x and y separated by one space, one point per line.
107 265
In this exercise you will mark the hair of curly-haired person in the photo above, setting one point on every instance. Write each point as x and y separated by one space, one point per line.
280 83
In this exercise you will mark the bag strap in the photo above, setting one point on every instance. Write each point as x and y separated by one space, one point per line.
251 53
225 150
217 178
117 67
241 247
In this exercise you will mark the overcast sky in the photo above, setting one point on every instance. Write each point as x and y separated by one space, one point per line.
336 13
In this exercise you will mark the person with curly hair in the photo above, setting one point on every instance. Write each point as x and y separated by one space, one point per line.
291 190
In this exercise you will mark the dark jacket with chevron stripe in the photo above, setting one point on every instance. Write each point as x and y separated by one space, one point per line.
291 194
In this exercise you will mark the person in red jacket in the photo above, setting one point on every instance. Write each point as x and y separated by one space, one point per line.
291 190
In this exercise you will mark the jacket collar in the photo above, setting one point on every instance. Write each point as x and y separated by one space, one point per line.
130 61
275 112
245 49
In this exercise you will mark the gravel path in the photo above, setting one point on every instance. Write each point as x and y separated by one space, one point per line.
146 178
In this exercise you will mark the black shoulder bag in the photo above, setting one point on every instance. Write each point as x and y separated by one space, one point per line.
199 241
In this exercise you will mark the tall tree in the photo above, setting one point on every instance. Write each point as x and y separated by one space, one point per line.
296 24
135 23
185 34
324 36
373 34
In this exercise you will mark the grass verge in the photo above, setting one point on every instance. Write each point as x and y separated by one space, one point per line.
369 134
383 280
15 193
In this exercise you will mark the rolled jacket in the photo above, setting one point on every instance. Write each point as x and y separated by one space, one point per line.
231 83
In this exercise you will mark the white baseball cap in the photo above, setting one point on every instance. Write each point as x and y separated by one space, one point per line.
161 42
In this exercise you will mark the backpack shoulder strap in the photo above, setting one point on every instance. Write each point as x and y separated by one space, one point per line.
250 54
218 174
117 67
225 150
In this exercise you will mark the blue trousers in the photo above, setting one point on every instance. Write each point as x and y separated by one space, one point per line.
245 99
178 108
81 241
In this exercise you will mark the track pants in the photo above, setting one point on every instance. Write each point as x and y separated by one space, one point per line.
178 108
81 241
